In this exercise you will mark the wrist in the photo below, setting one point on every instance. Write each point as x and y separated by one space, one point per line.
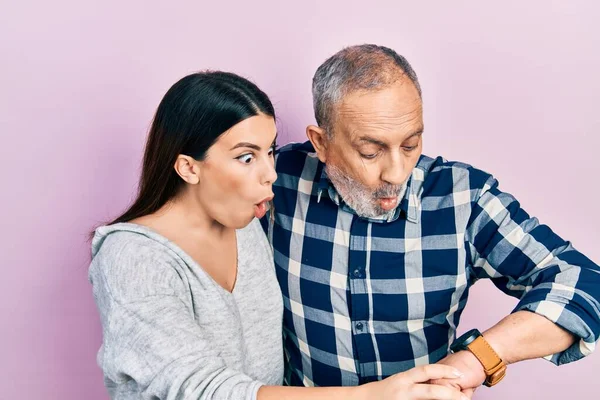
468 362
496 343
473 345
361 392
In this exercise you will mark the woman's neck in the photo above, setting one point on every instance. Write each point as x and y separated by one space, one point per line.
184 215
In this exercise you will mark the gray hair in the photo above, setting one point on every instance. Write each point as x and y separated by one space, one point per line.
361 67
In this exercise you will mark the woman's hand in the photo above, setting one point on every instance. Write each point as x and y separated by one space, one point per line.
412 385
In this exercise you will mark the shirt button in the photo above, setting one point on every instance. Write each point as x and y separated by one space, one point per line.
357 273
359 326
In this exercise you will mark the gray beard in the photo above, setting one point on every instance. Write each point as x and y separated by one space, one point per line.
362 199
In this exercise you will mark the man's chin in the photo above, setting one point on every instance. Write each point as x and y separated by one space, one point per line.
376 213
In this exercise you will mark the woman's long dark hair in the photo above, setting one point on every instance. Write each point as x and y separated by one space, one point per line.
194 113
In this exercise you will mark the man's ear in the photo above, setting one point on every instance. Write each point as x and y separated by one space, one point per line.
318 138
187 168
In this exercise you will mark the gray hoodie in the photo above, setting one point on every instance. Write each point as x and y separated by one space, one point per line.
171 332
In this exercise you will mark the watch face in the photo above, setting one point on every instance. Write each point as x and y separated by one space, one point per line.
467 338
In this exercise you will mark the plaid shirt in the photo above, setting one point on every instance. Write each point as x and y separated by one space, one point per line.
365 299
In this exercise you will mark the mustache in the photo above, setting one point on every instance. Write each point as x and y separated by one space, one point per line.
388 190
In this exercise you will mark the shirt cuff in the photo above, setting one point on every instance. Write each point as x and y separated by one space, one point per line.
565 314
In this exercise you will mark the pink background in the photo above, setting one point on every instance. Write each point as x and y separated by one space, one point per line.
509 86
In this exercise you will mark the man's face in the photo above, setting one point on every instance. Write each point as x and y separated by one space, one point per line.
376 144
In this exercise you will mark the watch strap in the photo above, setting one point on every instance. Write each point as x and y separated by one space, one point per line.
494 367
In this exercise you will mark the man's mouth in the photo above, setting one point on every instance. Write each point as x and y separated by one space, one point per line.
388 203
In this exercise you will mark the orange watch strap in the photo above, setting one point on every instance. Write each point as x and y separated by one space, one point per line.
494 367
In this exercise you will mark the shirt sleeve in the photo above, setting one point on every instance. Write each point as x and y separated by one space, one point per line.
150 336
527 260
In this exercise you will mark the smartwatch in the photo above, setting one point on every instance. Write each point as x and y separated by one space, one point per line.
473 341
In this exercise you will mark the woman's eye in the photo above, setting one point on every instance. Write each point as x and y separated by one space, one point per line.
246 158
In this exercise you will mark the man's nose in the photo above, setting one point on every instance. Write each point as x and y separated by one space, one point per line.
393 171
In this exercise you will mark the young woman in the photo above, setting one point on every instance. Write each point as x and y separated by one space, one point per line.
184 280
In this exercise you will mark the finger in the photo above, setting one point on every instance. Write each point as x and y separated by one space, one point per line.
435 392
469 393
431 371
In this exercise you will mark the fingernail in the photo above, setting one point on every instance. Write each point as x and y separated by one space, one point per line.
458 374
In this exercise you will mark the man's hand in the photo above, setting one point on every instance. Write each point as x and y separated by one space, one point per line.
469 365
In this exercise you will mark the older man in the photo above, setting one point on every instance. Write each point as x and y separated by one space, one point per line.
376 245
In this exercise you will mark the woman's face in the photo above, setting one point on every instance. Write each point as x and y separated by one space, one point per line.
238 172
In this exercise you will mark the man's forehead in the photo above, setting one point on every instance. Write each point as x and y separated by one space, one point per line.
374 111
380 127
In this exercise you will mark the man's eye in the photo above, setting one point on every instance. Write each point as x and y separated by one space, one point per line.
409 148
246 158
272 150
368 156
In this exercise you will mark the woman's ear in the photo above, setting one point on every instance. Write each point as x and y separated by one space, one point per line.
188 169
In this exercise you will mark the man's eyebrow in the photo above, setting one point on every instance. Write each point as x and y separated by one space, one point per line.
369 139
417 133
372 140
250 145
